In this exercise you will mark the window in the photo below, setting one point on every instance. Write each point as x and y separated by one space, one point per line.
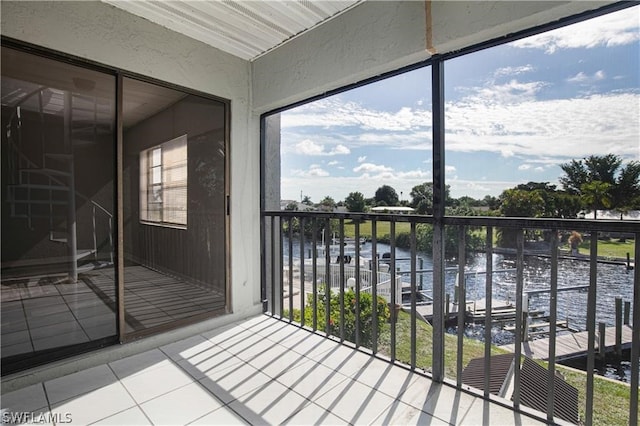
163 183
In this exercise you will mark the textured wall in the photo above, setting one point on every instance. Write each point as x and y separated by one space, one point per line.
381 36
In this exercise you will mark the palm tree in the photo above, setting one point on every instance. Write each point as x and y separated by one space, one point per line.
596 194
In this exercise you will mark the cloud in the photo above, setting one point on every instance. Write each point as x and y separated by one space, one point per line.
314 171
614 29
351 114
449 169
308 147
507 93
508 71
596 124
333 163
581 77
371 168
524 167
362 159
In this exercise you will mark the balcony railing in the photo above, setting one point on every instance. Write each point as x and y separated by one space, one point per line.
315 275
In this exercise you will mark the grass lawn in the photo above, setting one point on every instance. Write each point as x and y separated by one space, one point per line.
383 228
609 249
611 398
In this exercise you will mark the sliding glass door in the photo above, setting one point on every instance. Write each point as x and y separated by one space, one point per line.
63 289
174 206
58 162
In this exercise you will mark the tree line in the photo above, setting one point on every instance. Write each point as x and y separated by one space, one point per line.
589 184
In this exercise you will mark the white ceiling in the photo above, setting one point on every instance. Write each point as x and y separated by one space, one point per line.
245 28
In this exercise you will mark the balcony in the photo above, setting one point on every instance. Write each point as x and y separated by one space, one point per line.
280 369
260 371
548 307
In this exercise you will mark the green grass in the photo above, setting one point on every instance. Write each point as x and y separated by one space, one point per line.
610 401
383 228
472 348
611 249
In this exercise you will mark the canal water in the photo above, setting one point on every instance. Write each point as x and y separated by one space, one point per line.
612 281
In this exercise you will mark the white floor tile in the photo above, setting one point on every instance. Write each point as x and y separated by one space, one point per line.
155 382
30 398
385 377
209 362
308 344
226 335
341 358
355 402
130 417
79 383
275 360
441 401
187 348
312 381
400 413
313 414
181 406
139 364
234 382
484 412
95 405
271 403
221 416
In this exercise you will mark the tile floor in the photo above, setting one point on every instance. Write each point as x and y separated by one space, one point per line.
45 312
260 371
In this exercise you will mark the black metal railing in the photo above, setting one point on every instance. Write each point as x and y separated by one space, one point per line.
321 279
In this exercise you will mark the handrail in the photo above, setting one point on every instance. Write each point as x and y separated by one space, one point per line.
274 235
607 225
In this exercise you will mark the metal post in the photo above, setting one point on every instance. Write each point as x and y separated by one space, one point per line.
518 335
314 274
462 302
553 318
394 295
358 284
635 339
413 296
488 297
591 324
439 193
341 267
618 347
374 286
302 292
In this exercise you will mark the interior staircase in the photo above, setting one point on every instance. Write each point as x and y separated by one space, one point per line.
41 185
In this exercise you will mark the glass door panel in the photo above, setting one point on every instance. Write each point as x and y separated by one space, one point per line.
58 161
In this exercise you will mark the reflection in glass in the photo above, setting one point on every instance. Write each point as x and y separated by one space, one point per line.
174 177
57 287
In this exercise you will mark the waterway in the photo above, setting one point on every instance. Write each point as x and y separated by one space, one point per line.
613 281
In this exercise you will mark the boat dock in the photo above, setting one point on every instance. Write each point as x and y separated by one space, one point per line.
574 345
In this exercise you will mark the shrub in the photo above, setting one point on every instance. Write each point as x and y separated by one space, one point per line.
366 314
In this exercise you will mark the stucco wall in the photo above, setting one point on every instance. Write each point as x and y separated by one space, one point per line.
380 36
107 35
